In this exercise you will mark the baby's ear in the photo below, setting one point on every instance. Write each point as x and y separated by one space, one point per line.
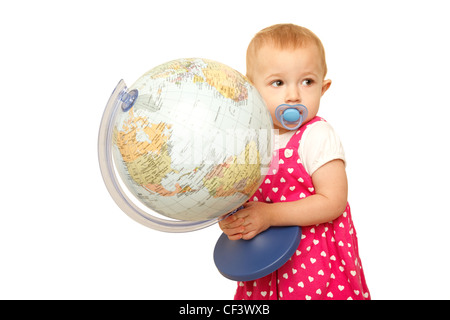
325 85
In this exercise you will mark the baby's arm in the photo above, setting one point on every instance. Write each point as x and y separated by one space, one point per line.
328 203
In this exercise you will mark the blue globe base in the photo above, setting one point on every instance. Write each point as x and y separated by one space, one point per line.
247 260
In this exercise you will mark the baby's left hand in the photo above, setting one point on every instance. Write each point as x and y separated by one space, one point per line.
248 222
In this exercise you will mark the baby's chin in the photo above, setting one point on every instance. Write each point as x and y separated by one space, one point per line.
279 129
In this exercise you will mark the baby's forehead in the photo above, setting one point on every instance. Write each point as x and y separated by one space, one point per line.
275 47
269 54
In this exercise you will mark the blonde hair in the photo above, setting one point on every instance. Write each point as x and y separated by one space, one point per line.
284 36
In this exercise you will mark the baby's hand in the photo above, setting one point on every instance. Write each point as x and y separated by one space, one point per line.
248 222
232 226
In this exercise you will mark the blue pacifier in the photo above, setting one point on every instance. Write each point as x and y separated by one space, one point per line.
291 116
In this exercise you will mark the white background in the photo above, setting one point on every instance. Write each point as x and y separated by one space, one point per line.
63 237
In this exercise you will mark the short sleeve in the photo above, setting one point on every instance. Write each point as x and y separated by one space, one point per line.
319 144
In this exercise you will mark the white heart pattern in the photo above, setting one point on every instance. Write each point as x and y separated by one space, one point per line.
288 153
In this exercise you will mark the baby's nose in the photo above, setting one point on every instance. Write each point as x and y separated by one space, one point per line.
293 95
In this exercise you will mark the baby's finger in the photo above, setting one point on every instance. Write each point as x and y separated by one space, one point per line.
235 237
235 224
249 235
230 232
225 222
231 222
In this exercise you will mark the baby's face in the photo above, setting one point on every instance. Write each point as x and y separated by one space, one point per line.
289 76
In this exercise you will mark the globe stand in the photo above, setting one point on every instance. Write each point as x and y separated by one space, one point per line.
246 260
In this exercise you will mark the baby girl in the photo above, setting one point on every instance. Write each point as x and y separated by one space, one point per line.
286 63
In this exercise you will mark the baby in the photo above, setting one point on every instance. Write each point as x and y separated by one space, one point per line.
286 63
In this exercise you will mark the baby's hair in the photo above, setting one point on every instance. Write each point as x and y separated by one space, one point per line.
284 36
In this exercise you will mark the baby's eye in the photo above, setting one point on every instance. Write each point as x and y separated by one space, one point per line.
277 83
307 82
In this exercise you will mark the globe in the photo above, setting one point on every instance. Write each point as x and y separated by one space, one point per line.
188 142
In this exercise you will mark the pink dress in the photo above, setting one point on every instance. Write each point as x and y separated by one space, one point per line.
326 264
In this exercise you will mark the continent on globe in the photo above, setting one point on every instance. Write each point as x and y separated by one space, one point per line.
228 82
138 137
238 174
145 151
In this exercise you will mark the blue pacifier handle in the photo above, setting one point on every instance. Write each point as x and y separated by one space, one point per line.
291 116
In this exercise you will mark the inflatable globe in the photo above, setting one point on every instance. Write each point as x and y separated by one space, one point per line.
188 142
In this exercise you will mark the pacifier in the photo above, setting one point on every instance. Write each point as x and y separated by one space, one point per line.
291 116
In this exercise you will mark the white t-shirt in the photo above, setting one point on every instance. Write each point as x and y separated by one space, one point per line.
319 144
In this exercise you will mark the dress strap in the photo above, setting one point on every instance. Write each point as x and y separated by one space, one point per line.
295 139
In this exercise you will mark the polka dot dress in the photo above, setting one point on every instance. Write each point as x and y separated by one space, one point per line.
326 264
